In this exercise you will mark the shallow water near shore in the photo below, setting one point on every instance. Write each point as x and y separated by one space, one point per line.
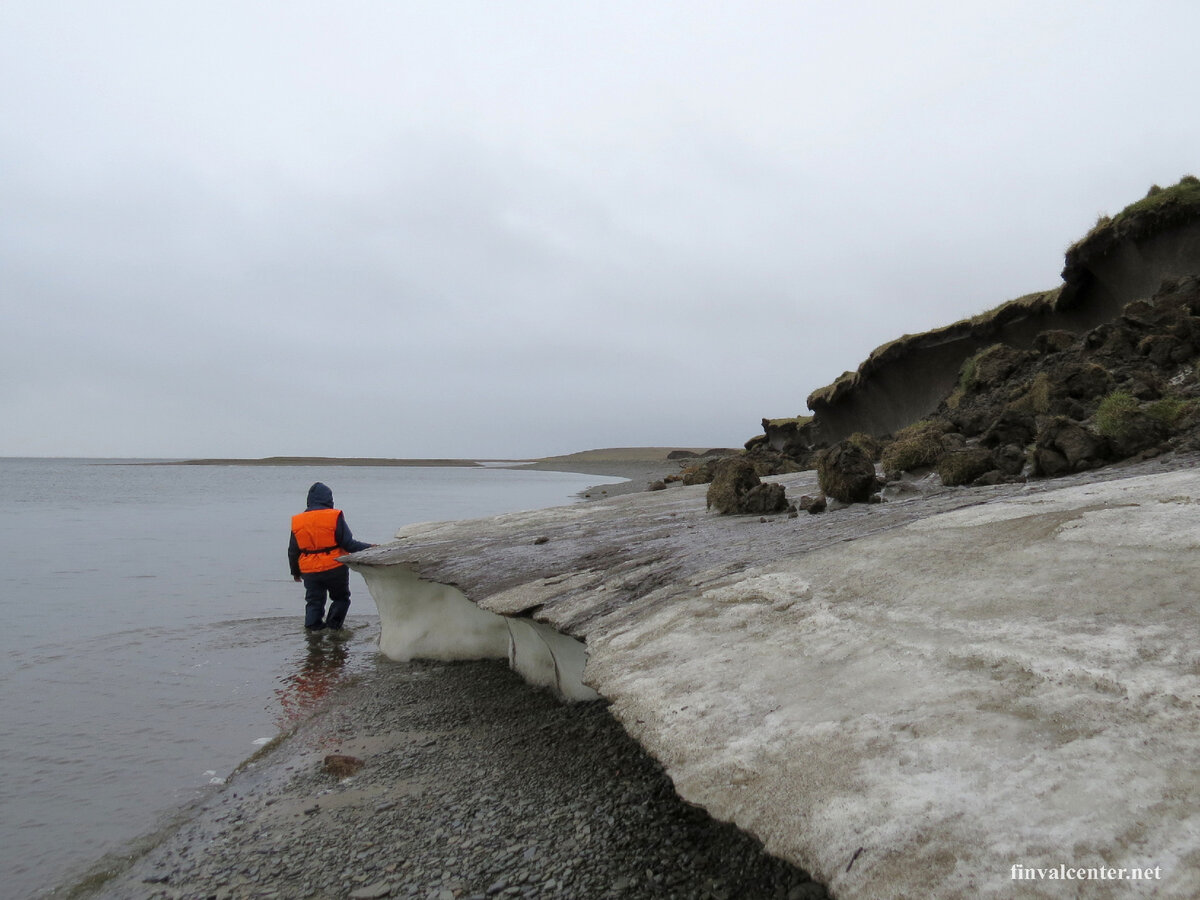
153 639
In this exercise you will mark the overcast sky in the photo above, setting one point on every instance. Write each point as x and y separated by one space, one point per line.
510 229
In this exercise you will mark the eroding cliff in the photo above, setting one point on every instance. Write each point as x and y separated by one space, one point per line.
1124 258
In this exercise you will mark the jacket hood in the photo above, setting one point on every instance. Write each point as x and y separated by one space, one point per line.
320 497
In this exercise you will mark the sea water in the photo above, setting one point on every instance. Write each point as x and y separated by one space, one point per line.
153 635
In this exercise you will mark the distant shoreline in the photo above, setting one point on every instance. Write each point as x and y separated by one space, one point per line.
641 466
606 457
327 461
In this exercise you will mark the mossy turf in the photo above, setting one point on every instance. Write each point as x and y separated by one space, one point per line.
1161 207
794 420
868 443
1114 415
915 447
1169 410
964 466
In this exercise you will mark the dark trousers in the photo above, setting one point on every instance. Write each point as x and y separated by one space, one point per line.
335 583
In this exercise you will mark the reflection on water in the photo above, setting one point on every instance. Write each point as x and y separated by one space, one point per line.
322 670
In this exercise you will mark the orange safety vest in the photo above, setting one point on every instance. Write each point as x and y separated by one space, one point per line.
314 532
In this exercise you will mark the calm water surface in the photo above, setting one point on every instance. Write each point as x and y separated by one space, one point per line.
153 633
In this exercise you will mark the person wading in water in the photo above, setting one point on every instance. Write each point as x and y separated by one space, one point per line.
319 536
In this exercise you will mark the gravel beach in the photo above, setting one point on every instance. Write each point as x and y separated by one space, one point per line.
472 785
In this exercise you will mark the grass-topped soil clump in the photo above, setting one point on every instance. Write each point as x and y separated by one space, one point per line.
846 472
965 466
1115 415
736 489
792 436
918 446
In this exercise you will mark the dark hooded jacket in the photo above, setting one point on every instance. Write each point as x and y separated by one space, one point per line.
321 497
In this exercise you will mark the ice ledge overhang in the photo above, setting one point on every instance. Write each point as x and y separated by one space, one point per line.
908 699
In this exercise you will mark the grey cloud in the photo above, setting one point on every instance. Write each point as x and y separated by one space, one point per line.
619 225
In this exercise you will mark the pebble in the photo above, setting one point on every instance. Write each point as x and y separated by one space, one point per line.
473 785
374 892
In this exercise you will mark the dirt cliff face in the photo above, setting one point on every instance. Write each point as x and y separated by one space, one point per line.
1123 259
1125 388
1129 387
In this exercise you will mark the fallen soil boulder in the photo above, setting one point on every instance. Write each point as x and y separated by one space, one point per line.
736 489
846 473
918 446
814 505
964 466
1129 427
1064 446
764 499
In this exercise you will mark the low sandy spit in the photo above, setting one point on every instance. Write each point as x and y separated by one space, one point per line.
640 465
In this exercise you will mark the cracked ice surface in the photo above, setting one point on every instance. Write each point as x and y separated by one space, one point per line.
934 690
